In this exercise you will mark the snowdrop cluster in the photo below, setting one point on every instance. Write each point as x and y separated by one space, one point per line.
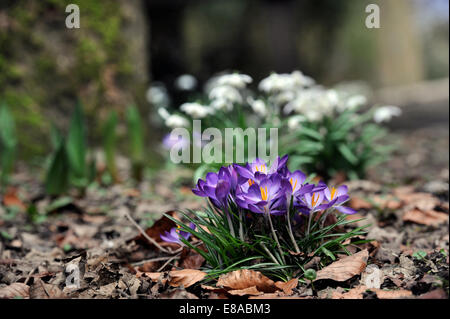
302 110
293 96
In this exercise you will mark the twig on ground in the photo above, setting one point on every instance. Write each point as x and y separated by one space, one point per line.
151 260
29 274
167 262
143 233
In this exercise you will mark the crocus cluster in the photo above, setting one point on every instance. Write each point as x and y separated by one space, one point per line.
270 190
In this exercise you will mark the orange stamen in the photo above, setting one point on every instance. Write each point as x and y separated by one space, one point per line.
314 200
250 182
264 193
293 185
333 192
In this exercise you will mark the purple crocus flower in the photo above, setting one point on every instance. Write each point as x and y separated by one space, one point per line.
259 167
265 197
311 202
336 197
296 182
253 170
175 233
216 186
280 166
261 189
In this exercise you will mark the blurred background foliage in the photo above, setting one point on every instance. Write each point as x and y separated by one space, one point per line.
122 46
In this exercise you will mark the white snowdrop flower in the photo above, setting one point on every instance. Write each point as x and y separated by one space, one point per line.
157 95
300 79
385 113
186 82
332 97
285 81
284 97
225 92
274 83
355 101
297 105
163 113
313 115
294 122
222 105
196 110
313 103
258 106
175 120
236 80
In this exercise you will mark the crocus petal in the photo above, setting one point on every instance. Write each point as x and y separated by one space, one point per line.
307 188
308 199
320 186
185 235
298 176
211 179
255 209
170 237
242 171
342 199
342 190
199 192
327 193
222 190
346 210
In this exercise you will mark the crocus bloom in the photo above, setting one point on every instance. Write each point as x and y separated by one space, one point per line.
266 197
259 167
311 202
175 233
297 186
216 186
336 197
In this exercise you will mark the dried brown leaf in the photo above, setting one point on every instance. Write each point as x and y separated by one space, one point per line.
245 278
190 259
345 268
392 294
357 293
250 291
434 294
359 203
186 277
287 286
178 294
214 289
429 218
14 290
11 199
41 290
